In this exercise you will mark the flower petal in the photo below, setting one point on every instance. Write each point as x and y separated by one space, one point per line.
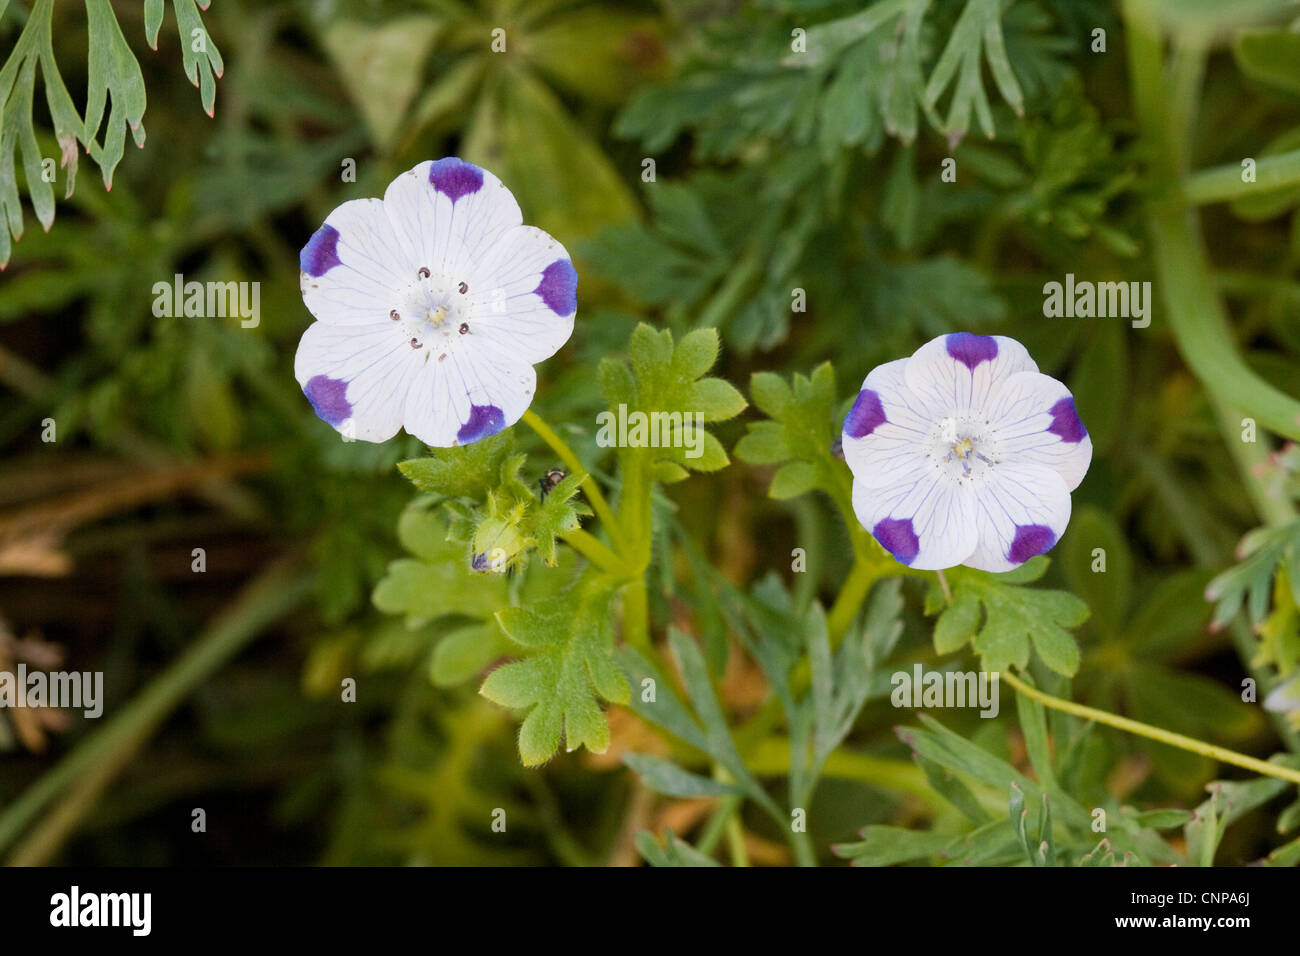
524 295
352 265
885 430
450 214
955 373
356 377
468 396
1022 511
1035 420
923 520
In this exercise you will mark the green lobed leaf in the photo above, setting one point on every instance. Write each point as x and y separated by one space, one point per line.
798 435
1018 619
571 639
463 471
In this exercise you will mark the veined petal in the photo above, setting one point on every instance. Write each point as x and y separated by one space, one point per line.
524 295
924 521
955 373
353 265
885 430
449 214
1036 421
468 396
356 377
1021 512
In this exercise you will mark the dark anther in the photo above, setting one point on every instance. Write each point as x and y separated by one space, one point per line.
464 327
424 272
393 315
415 344
464 287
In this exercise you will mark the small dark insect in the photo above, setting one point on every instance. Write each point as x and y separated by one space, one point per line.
464 327
463 287
393 315
552 478
424 272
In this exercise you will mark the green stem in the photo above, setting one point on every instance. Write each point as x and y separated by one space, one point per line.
771 758
866 571
1224 183
854 591
729 294
736 841
864 546
801 843
270 596
727 820
1195 312
635 517
1201 329
717 824
589 486
1181 741
636 616
595 551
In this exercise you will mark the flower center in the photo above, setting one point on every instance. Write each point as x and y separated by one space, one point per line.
963 448
432 313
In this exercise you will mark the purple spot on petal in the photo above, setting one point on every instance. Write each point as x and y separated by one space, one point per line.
866 415
897 537
1066 423
970 349
480 562
484 420
559 287
321 254
1030 539
328 396
455 178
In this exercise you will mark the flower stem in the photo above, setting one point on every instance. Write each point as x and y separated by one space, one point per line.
595 551
1180 741
589 486
851 596
634 522
636 616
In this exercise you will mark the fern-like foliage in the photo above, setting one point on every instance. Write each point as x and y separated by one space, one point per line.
114 85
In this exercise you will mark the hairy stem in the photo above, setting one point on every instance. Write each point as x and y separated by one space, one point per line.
592 490
595 551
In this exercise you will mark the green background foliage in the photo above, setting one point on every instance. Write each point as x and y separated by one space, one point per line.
793 231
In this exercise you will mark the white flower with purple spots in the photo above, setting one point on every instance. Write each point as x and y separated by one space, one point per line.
965 454
432 306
